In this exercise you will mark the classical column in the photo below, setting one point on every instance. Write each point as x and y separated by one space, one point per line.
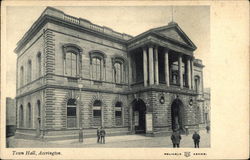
166 68
151 65
189 73
180 71
156 65
145 66
192 73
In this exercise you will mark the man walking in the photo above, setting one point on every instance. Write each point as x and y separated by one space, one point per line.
102 134
176 138
207 128
98 135
196 138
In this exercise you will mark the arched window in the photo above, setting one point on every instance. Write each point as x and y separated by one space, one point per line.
21 116
119 70
197 83
38 109
29 121
118 114
118 73
96 69
39 65
97 113
71 113
71 64
72 60
29 72
21 76
97 62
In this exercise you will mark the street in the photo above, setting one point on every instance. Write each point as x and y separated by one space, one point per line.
125 141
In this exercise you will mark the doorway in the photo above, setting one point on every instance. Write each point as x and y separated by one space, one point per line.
139 111
177 115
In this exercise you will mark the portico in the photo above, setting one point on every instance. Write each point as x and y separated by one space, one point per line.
158 59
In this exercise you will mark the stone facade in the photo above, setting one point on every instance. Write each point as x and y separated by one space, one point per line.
73 74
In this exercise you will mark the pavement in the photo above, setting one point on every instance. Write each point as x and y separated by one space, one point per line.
124 141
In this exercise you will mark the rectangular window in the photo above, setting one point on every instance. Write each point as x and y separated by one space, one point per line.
118 113
68 64
97 113
98 69
73 65
71 111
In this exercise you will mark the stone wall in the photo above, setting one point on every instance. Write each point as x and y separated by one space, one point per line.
56 108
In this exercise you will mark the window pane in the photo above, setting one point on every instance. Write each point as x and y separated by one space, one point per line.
97 103
94 68
71 111
68 64
39 64
118 113
98 69
117 72
73 69
97 113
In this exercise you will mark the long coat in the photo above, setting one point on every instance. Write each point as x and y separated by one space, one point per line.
196 137
176 138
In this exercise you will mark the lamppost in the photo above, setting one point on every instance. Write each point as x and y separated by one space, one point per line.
80 85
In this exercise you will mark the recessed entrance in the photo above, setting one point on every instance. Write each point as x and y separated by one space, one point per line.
139 111
177 115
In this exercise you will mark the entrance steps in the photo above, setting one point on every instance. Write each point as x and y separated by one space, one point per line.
53 135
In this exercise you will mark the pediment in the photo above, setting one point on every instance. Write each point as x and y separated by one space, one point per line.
174 32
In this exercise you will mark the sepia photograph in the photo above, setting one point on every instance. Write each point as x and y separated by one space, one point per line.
103 77
81 84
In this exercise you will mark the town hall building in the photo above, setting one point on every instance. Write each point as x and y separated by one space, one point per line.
73 74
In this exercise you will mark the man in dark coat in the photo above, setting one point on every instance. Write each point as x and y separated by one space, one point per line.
98 135
196 138
176 138
207 128
102 134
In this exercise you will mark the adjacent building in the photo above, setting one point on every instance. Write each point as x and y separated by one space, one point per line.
207 107
74 74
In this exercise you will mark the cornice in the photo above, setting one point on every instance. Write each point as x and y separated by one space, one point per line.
153 39
47 18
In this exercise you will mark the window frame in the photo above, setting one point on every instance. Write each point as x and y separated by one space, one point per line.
70 48
29 71
39 64
69 105
123 68
21 76
96 54
118 108
97 107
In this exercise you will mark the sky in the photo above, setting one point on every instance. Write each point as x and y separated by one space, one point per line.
132 20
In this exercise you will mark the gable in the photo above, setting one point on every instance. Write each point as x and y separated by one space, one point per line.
172 33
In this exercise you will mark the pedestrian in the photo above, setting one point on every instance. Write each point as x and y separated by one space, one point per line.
98 135
196 138
102 134
176 138
80 135
186 130
208 128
